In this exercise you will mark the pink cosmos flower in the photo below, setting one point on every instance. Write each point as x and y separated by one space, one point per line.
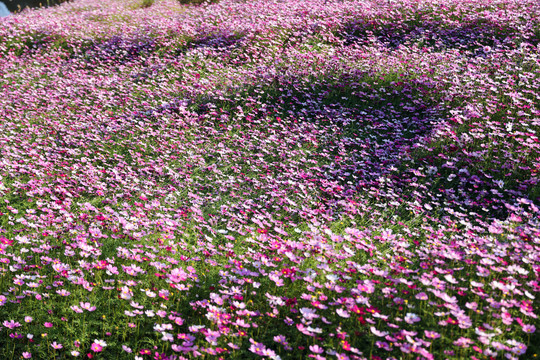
432 334
63 292
11 324
178 275
377 332
76 309
257 348
96 347
529 329
158 356
87 306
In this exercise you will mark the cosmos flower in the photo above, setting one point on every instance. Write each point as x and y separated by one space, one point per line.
11 324
96 347
529 329
87 306
432 334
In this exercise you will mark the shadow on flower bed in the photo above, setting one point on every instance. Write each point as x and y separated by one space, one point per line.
367 125
117 50
197 2
220 40
472 36
371 126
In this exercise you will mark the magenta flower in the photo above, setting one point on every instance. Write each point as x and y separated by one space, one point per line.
159 356
177 275
96 347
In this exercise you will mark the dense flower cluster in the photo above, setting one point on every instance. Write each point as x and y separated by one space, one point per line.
280 179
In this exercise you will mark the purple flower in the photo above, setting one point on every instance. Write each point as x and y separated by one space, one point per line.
412 318
257 348
529 329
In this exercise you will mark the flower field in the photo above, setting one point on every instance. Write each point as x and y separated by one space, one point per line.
281 179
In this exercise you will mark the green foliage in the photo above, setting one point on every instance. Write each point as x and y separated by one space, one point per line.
146 4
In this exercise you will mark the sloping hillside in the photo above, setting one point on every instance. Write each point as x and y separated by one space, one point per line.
283 179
